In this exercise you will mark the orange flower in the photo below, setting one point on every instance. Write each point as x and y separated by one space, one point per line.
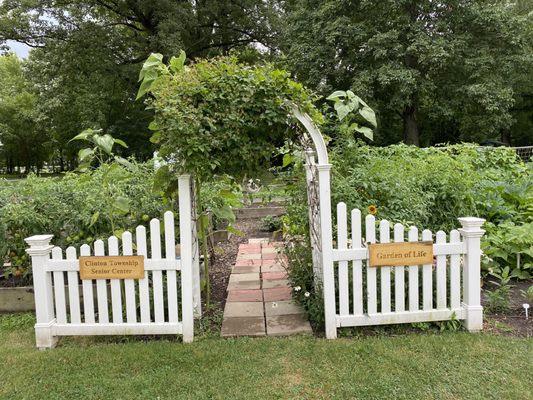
372 209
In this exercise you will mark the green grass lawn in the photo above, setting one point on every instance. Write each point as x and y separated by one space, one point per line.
411 366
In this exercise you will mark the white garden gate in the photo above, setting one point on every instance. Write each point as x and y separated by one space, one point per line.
163 302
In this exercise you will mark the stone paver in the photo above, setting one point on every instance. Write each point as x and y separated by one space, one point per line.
245 295
254 276
246 269
244 309
274 275
287 307
275 283
259 298
244 285
277 294
243 326
287 325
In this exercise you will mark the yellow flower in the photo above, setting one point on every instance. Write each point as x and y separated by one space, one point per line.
372 209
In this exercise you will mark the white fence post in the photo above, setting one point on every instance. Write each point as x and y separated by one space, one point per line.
328 278
40 249
472 233
185 214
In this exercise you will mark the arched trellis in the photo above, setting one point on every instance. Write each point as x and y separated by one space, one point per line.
320 222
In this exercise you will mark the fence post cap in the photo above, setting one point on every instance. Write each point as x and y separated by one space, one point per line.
471 226
39 244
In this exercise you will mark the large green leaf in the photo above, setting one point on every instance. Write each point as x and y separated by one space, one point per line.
342 110
104 142
369 115
122 203
177 63
338 94
83 154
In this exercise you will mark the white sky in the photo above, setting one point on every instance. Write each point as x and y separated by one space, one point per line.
19 48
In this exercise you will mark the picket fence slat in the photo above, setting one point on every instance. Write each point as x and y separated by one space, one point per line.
370 232
144 291
427 277
342 239
73 289
157 276
357 264
412 236
87 288
399 275
101 287
59 289
441 273
116 292
129 284
170 253
455 273
384 237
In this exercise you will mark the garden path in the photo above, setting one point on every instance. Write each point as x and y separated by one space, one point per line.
259 298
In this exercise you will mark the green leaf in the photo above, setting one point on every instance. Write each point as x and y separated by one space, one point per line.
338 94
153 126
288 159
86 134
153 60
146 86
121 143
94 218
122 161
177 63
83 154
225 212
369 115
105 142
122 203
342 110
365 131
235 231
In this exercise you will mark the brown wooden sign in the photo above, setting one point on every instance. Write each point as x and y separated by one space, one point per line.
397 254
112 267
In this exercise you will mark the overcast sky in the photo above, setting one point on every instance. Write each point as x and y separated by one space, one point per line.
20 49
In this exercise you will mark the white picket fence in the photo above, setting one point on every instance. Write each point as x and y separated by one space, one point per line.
161 303
389 295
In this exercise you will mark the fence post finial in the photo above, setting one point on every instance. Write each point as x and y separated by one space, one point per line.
472 233
39 251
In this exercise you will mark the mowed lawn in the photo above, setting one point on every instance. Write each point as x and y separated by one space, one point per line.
410 366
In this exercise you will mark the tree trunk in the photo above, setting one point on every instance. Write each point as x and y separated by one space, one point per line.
506 137
411 134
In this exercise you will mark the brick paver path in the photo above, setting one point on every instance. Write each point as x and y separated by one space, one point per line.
259 299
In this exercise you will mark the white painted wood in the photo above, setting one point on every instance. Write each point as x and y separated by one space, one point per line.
400 317
116 291
384 237
371 283
342 243
73 289
357 264
129 284
455 273
399 274
427 277
170 253
186 240
472 233
157 276
39 252
144 292
59 289
413 274
441 273
87 288
149 265
101 288
118 329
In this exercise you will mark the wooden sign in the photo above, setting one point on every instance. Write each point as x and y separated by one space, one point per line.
403 253
112 267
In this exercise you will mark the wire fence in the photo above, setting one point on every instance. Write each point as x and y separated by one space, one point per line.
525 152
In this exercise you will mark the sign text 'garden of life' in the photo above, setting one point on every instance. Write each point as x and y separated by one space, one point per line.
398 254
112 267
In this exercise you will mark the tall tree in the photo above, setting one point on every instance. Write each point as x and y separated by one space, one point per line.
23 142
442 70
